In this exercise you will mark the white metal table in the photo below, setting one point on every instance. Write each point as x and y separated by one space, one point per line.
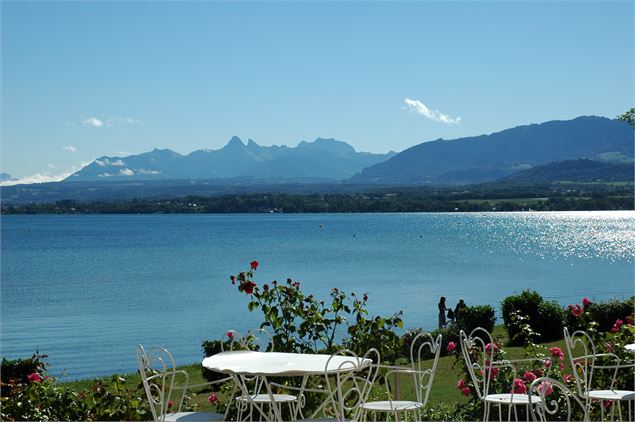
244 364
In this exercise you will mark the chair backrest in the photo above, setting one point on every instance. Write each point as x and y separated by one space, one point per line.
423 346
478 358
350 381
581 351
158 375
556 401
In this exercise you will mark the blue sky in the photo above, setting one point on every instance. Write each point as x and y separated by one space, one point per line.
82 80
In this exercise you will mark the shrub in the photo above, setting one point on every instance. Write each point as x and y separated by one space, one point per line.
476 316
545 318
210 348
29 394
604 313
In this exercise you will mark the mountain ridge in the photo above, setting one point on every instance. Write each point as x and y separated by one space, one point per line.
321 159
488 157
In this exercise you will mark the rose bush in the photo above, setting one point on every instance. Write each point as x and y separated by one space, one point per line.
299 322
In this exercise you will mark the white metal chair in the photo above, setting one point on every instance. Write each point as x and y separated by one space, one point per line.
422 345
352 382
585 361
556 401
159 378
246 404
481 366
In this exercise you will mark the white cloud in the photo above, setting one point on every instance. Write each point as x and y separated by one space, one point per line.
69 148
126 172
146 171
102 122
420 108
93 121
45 177
117 163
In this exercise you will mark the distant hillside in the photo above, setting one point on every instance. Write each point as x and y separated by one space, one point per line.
321 159
489 157
5 177
575 170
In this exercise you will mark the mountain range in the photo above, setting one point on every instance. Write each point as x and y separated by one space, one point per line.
441 162
490 157
326 159
583 149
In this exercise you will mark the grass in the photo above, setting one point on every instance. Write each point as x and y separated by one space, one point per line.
443 389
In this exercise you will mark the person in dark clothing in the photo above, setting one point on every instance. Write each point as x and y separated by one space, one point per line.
458 307
442 310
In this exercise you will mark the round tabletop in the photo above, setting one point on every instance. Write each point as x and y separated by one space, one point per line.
246 362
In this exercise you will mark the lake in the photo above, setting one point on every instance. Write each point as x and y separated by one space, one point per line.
85 289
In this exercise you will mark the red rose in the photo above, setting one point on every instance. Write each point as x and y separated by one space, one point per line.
248 287
451 347
460 385
212 398
254 265
230 334
265 287
170 404
466 391
586 302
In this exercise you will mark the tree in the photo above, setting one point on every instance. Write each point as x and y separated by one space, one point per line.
628 117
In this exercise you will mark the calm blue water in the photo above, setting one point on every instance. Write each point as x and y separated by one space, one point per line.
86 289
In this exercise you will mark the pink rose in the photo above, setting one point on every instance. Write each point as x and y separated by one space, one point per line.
568 378
170 404
529 376
254 265
213 399
547 363
556 352
586 302
607 403
576 310
545 388
460 385
466 391
34 377
518 386
617 325
230 334
451 347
